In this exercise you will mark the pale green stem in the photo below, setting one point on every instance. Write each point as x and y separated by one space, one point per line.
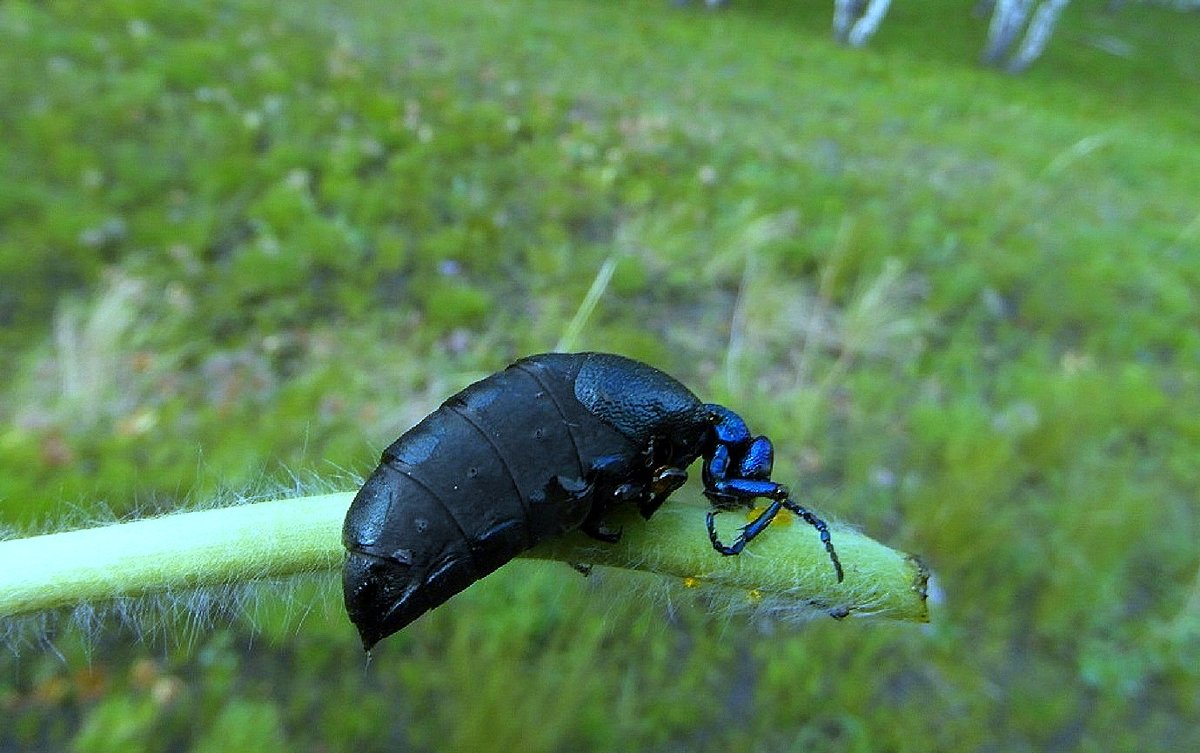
786 563
290 536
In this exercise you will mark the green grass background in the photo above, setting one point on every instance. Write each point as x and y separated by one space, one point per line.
243 241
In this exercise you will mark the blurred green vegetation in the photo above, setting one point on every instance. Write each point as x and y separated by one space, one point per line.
240 241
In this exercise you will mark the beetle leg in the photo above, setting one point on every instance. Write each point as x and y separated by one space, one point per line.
748 532
716 471
571 498
666 480
759 524
745 489
608 473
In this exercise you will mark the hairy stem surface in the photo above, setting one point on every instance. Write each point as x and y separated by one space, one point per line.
303 534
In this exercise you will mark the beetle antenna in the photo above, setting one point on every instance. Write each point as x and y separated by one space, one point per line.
822 529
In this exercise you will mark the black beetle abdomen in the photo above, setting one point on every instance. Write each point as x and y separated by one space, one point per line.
498 467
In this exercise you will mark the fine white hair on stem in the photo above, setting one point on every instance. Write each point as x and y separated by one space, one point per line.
173 614
209 565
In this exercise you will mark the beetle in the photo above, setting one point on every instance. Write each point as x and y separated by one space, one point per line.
550 444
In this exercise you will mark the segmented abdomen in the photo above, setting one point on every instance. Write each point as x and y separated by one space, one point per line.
482 478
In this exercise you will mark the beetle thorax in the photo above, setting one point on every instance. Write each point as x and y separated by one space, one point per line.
643 404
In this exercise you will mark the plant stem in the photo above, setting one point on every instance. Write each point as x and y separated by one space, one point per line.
787 563
290 536
172 552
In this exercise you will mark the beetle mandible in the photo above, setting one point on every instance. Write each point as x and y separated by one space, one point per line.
550 444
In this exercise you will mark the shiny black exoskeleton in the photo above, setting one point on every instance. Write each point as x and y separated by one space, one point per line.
550 444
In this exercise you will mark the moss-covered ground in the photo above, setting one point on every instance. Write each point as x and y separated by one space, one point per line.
244 241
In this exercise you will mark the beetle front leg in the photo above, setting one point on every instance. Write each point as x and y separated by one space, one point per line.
748 532
759 524
730 493
746 490
739 476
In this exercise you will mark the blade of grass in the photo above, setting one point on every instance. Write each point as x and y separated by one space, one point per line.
575 327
